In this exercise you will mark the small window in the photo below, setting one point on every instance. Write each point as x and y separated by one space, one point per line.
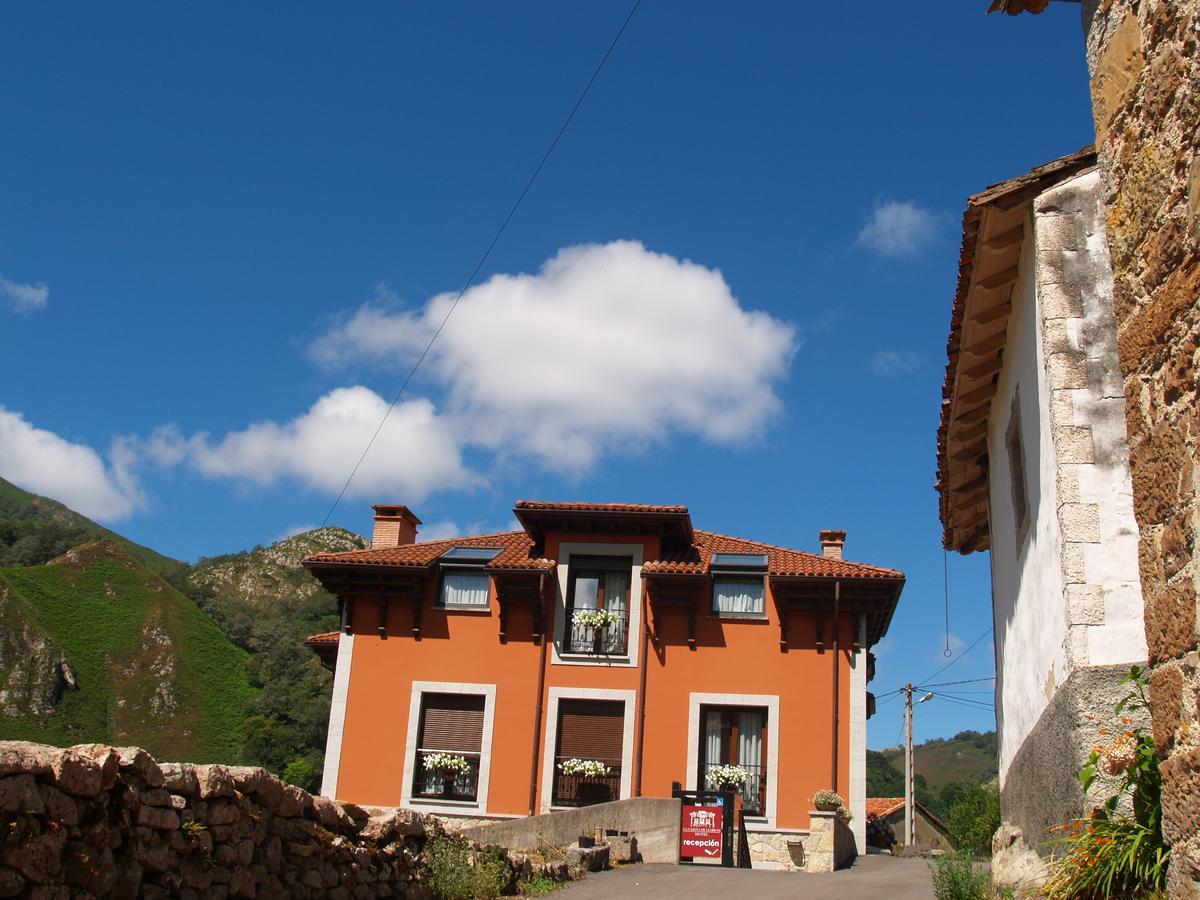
465 583
739 596
595 584
1016 468
739 584
736 736
449 743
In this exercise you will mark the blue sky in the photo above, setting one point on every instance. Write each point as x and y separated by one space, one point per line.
226 230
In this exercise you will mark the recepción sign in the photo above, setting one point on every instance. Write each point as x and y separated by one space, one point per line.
701 832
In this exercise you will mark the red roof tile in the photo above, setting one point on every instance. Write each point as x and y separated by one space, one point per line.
516 548
601 507
328 637
781 561
884 806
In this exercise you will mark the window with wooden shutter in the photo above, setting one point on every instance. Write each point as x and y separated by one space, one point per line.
589 730
449 741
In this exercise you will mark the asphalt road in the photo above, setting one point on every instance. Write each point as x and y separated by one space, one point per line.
870 878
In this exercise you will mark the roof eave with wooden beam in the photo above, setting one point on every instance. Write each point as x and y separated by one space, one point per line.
994 230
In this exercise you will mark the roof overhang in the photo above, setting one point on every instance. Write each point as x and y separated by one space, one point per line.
994 231
672 524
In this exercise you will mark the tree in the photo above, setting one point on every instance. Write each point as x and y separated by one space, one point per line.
974 817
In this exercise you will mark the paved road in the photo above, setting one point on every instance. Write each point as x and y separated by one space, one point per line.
870 878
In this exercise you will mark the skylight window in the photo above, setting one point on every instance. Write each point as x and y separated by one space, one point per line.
743 561
470 555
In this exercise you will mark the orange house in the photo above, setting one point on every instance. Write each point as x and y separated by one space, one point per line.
605 651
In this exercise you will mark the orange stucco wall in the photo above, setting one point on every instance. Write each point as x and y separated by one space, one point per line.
731 657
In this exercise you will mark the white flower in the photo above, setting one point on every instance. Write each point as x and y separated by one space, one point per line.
595 618
588 768
728 776
446 762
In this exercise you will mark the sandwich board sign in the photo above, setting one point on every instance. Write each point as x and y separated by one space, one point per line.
705 827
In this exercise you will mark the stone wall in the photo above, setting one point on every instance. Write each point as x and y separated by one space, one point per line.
1145 81
830 842
96 822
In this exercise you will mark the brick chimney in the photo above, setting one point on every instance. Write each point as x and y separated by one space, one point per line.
831 543
395 526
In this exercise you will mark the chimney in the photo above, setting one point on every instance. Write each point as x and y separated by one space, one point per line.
395 526
831 543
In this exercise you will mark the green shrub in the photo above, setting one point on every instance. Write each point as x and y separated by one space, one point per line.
973 819
453 872
955 878
538 886
301 773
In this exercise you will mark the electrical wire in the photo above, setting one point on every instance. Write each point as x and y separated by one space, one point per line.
961 655
964 681
483 259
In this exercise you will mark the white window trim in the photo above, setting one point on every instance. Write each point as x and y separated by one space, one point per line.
771 702
567 693
858 738
457 807
337 712
630 659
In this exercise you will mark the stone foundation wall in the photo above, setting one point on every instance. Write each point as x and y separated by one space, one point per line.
97 822
830 844
1144 61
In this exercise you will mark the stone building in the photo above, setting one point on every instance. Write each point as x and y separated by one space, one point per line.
1033 466
1145 82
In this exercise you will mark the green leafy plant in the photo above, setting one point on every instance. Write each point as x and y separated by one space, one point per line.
956 878
455 872
973 818
1111 854
537 886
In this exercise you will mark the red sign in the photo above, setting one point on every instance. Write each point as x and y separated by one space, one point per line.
700 832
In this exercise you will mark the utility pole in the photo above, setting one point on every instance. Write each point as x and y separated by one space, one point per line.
910 836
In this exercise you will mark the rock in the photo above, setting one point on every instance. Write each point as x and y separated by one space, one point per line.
179 778
11 883
590 859
25 757
158 818
214 781
330 815
141 764
59 807
19 794
37 857
248 779
90 868
76 773
106 758
294 801
1014 863
155 797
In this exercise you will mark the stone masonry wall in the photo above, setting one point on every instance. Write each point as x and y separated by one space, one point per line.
97 822
1144 63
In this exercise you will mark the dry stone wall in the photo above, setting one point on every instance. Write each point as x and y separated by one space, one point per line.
94 821
1144 60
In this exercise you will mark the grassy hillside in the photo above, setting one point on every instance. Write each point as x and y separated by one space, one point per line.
35 529
94 647
969 755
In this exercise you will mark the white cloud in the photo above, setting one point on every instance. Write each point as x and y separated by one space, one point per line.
292 531
25 298
414 454
609 348
41 461
896 362
899 230
446 529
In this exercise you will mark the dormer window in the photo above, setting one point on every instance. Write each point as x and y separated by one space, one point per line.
465 582
739 584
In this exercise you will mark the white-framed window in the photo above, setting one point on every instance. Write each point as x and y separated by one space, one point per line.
447 755
739 584
465 584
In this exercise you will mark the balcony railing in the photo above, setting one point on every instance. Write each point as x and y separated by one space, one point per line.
585 790
611 640
431 784
754 794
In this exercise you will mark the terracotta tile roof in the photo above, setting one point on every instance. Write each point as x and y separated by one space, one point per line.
884 806
780 560
328 637
515 548
1016 7
998 198
601 507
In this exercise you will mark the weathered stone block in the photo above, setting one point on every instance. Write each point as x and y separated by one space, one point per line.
1080 522
1085 604
1170 620
141 764
1181 795
1073 443
1166 704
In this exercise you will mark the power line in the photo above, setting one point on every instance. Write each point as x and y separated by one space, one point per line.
961 655
964 681
486 253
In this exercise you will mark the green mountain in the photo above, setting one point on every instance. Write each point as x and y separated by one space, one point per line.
266 602
35 529
96 647
968 756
